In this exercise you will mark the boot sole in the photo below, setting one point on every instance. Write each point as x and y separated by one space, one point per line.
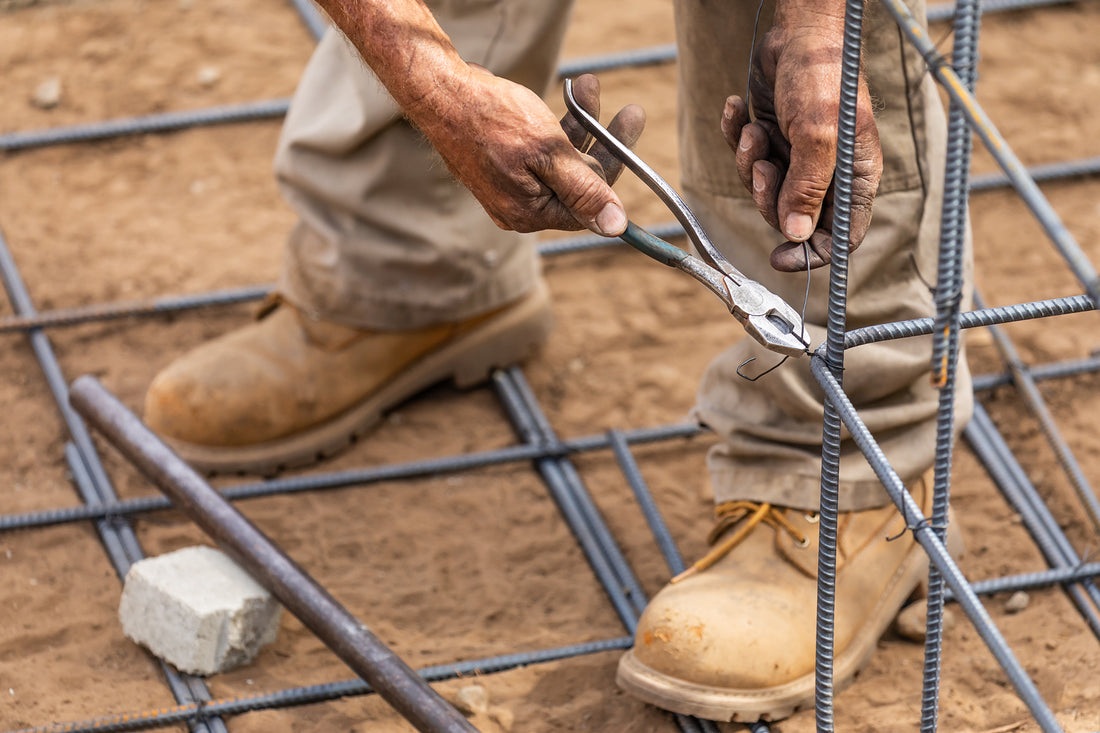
507 339
782 701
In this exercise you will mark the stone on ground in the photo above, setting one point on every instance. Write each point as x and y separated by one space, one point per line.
197 610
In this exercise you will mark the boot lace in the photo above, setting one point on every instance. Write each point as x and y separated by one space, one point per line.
729 514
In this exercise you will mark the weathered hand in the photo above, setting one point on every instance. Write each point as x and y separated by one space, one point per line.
529 171
786 157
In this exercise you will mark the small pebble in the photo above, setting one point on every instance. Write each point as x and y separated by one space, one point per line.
472 700
912 620
208 76
1017 602
47 95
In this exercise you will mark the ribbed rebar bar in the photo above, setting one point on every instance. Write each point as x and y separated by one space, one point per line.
1039 173
144 124
309 694
1039 579
937 552
1010 479
127 309
579 511
998 147
621 448
1040 372
954 223
1033 398
353 477
62 317
834 354
971 319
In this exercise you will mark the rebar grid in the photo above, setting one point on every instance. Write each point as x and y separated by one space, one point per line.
551 451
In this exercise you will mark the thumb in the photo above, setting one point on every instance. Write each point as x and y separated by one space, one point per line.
813 158
586 195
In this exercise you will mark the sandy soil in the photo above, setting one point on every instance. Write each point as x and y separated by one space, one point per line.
480 563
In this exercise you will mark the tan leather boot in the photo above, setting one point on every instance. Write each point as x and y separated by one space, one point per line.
735 641
288 390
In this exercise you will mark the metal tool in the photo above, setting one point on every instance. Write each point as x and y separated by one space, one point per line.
766 317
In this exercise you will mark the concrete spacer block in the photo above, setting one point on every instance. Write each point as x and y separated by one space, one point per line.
198 610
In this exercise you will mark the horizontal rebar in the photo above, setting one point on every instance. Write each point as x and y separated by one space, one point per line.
1039 372
971 319
1038 579
309 694
63 317
1040 173
361 476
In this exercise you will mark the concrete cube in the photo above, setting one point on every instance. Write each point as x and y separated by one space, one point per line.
198 610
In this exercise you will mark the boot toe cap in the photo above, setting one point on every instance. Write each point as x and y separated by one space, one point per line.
751 637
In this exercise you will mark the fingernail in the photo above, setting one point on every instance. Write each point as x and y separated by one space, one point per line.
757 181
799 227
611 221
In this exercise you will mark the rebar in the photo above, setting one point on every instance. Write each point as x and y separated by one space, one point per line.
579 511
322 614
1039 173
937 552
1033 398
1039 579
353 477
144 124
1010 479
954 224
834 354
621 448
998 147
1040 372
311 694
970 319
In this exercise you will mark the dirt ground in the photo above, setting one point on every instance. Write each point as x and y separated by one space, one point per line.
475 564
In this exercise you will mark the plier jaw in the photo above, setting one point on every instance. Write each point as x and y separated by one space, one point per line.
765 316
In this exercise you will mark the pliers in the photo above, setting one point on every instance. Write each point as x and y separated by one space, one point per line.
765 316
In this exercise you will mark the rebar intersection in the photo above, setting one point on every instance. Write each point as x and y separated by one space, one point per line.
551 459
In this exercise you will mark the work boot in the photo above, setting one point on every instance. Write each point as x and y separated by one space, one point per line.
733 637
289 390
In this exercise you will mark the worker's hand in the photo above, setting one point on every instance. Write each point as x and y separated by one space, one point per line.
529 171
787 155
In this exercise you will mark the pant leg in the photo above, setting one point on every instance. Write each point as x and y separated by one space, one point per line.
770 430
387 238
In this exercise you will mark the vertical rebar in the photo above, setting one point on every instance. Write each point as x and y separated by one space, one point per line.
935 549
954 224
998 147
834 355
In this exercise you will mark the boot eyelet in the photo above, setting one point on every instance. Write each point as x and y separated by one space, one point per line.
803 544
810 517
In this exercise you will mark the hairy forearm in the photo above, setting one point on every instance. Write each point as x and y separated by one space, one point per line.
407 50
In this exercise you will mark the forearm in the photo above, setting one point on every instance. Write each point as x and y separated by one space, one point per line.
407 50
817 15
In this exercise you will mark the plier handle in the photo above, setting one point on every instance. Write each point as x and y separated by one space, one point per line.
765 316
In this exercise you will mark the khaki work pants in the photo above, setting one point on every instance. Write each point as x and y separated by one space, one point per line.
387 239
